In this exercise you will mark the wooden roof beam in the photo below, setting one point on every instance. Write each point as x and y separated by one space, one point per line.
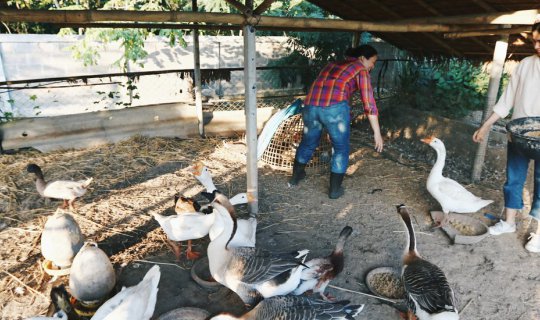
92 16
483 33
525 17
263 6
240 7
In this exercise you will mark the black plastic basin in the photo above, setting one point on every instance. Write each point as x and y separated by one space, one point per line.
525 135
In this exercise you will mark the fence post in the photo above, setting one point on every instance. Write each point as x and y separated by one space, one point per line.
197 74
250 78
499 56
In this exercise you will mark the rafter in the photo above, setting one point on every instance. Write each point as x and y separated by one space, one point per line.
93 16
263 6
483 33
525 17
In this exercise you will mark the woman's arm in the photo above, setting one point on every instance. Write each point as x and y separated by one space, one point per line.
374 122
479 134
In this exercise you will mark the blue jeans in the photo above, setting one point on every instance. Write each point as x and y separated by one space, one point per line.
517 166
337 121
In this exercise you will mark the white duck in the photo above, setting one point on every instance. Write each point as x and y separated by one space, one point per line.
64 190
195 225
428 293
452 196
320 271
292 308
250 272
133 303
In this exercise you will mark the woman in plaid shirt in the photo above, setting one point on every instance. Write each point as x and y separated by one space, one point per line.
327 106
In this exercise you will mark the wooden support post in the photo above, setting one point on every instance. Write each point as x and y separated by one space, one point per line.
5 97
356 39
197 74
499 56
250 78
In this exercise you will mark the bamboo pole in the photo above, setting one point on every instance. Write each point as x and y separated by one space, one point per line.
499 56
92 16
250 79
483 33
525 17
197 74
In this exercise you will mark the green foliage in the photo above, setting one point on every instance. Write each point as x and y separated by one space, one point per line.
450 87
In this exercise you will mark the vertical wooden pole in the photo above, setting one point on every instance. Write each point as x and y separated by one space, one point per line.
499 56
197 74
250 78
5 97
356 39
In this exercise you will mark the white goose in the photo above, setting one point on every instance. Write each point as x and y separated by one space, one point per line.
195 225
250 272
201 172
428 293
452 196
63 190
293 307
133 303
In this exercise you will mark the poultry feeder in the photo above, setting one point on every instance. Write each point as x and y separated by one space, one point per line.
524 133
462 229
185 313
92 275
200 272
386 282
61 239
282 147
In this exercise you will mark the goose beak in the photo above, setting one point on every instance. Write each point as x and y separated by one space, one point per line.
196 169
427 140
250 197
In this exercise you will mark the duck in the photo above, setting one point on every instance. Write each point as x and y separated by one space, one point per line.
183 205
61 303
68 191
252 273
133 303
298 307
451 195
428 293
320 271
189 225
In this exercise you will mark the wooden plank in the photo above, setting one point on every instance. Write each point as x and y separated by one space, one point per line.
96 128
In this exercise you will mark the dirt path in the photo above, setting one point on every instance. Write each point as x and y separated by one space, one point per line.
494 279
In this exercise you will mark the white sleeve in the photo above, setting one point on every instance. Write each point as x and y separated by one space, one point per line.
507 99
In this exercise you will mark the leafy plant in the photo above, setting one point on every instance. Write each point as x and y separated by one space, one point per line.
449 87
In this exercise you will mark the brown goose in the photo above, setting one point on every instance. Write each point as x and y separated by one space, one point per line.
429 295
298 307
320 271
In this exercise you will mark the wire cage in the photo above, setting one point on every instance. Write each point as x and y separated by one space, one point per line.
282 148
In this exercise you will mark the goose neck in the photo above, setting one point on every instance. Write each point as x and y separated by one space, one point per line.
439 163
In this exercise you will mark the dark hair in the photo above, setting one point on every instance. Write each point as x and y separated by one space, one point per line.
364 50
536 27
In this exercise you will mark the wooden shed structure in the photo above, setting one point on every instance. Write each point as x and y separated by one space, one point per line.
461 28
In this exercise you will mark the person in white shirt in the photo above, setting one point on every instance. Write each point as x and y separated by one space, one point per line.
523 95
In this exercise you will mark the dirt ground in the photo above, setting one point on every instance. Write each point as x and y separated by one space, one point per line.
493 279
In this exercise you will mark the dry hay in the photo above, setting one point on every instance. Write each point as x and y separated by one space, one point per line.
132 179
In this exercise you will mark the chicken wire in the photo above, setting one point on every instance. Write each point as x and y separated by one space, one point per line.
281 151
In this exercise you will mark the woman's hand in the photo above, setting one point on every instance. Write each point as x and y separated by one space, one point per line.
480 134
379 142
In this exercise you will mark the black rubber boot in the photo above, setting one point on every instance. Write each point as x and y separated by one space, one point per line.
336 190
298 173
